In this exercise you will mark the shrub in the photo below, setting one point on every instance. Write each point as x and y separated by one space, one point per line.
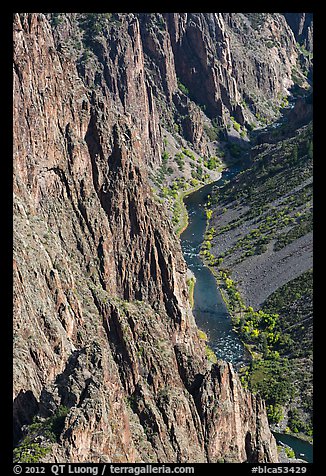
176 128
194 182
272 379
39 436
165 157
212 133
56 19
289 452
210 355
202 335
179 157
236 125
212 163
93 24
58 420
183 88
191 287
188 153
295 422
29 452
209 213
274 413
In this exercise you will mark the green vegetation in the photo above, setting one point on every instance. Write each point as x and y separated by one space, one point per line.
202 335
191 286
179 158
177 211
275 413
39 436
278 172
29 452
210 354
270 44
304 51
188 153
289 452
256 326
183 88
56 19
176 128
235 150
209 213
296 424
277 337
172 192
211 132
272 379
284 102
92 25
236 125
255 242
261 118
212 163
214 131
304 224
294 302
197 173
165 157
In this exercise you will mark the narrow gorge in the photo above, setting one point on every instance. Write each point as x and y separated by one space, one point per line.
117 118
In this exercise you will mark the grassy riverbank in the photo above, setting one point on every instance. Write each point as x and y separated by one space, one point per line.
179 202
182 172
184 219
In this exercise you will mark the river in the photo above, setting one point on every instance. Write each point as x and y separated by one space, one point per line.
209 308
210 311
303 449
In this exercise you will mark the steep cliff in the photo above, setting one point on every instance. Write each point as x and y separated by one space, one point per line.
219 65
106 350
302 26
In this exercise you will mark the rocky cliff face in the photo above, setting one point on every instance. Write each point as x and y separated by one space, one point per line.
225 64
238 65
302 26
103 325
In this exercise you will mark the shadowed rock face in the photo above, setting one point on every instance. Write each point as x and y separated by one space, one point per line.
102 321
302 26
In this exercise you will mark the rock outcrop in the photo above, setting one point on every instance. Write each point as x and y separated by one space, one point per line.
302 26
102 321
233 64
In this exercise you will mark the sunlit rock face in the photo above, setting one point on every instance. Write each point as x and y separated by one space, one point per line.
102 320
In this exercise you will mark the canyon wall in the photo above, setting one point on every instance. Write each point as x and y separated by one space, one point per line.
102 320
302 26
